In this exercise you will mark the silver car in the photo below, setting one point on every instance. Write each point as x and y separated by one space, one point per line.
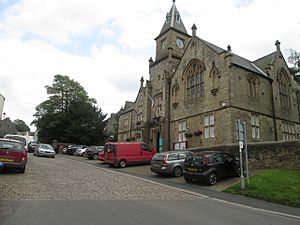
169 163
44 150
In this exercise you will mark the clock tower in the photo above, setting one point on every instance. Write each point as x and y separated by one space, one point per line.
172 35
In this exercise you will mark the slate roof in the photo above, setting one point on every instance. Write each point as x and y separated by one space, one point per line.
266 60
237 60
173 20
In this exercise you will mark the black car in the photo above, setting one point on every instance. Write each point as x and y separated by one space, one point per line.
71 149
92 152
210 166
32 145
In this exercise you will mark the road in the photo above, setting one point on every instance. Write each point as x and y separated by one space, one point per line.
65 191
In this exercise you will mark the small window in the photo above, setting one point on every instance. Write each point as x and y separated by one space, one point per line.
218 158
145 147
172 157
182 155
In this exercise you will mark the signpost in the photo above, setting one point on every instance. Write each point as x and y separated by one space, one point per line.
242 139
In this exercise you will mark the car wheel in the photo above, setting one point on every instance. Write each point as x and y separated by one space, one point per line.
122 164
95 156
212 179
177 171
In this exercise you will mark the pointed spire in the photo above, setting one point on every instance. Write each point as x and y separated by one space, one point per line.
173 19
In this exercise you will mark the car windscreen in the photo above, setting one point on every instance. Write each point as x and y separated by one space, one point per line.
6 145
195 159
45 146
158 157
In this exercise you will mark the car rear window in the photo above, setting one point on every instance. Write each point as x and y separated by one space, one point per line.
11 146
100 148
17 138
195 159
158 157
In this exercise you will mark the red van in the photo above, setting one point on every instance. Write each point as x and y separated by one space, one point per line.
127 153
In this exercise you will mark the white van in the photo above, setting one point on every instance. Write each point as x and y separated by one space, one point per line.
22 138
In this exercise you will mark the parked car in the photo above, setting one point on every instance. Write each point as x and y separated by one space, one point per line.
169 163
101 156
13 154
71 149
44 150
80 150
93 151
127 153
210 166
31 146
1 165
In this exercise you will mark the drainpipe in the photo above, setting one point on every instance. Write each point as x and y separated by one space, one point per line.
274 113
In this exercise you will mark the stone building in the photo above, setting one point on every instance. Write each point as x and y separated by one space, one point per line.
197 91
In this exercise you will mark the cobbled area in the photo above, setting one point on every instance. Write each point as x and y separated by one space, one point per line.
64 179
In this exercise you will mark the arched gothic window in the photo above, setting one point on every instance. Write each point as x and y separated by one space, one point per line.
284 86
194 79
253 85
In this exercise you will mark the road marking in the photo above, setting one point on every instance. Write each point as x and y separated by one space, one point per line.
201 196
258 209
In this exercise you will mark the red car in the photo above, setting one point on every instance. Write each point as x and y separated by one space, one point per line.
128 153
13 154
101 156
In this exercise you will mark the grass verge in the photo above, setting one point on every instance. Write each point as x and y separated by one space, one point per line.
276 185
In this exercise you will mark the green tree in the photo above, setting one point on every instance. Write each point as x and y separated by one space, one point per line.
21 126
294 59
69 115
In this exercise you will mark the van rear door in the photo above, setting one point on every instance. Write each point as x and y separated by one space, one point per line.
146 153
110 154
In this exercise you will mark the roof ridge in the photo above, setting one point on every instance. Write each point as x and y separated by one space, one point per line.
264 56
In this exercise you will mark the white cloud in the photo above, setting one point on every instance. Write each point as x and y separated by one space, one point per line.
126 29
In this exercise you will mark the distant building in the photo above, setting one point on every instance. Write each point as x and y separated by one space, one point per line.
196 91
2 99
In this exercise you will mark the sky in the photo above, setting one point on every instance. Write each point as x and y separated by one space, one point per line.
106 45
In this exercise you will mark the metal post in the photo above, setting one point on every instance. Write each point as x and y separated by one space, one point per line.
246 155
241 166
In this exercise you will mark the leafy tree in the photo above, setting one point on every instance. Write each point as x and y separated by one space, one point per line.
69 115
21 126
294 59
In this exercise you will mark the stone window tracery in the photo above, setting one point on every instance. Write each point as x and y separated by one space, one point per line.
283 86
194 79
253 82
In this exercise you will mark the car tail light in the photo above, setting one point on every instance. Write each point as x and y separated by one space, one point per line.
164 162
24 155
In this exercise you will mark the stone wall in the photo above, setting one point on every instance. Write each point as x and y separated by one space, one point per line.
264 155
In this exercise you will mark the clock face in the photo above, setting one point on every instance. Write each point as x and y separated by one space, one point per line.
179 43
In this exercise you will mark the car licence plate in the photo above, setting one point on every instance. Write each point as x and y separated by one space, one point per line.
192 169
6 160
